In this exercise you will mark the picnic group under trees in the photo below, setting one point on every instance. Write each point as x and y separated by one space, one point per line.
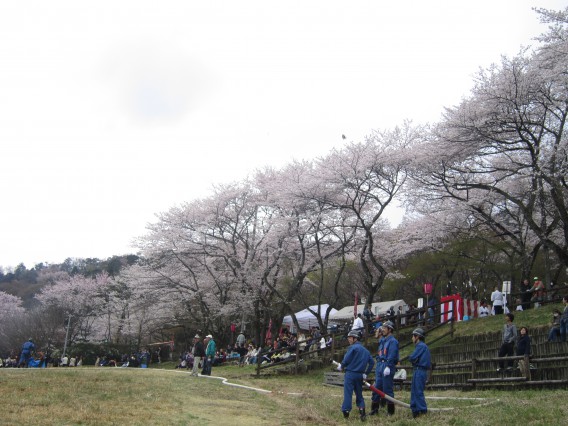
204 353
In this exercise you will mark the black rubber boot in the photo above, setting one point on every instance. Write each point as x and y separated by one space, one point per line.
362 414
375 405
390 409
346 414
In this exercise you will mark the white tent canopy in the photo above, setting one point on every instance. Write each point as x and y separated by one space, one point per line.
377 308
306 319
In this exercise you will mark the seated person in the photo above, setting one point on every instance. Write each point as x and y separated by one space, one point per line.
483 310
538 290
400 373
399 376
554 333
293 341
250 353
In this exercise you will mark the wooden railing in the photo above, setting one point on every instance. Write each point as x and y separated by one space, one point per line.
337 342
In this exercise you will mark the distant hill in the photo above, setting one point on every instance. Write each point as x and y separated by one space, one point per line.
25 283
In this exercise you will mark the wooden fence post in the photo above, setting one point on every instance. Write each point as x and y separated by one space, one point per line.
473 368
527 368
332 345
297 356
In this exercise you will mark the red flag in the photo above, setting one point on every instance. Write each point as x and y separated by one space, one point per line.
269 331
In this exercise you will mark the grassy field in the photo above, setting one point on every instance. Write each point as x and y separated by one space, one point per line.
164 396
120 396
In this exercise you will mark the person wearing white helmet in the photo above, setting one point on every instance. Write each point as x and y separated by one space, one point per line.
357 363
387 358
421 364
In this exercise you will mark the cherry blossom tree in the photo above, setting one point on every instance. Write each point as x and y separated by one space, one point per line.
361 181
502 151
139 309
12 314
214 252
82 299
313 240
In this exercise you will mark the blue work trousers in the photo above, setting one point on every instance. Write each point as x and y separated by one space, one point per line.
207 362
383 383
352 382
417 399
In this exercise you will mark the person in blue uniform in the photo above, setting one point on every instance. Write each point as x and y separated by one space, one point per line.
421 364
357 364
387 358
25 356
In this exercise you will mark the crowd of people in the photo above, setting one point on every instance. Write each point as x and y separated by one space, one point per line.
29 357
530 295
517 342
203 354
139 359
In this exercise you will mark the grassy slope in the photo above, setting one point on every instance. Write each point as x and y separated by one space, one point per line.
532 318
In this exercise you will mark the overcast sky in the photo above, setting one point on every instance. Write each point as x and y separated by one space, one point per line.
114 111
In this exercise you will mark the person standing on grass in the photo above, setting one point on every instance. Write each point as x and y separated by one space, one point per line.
198 352
526 294
241 340
387 358
421 364
358 323
210 351
357 363
510 336
27 349
497 301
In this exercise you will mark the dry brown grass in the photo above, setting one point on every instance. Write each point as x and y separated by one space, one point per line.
120 396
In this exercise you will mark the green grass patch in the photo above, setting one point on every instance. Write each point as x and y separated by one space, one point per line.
121 396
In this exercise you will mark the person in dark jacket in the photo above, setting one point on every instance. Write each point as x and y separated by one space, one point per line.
524 343
526 295
198 352
524 349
